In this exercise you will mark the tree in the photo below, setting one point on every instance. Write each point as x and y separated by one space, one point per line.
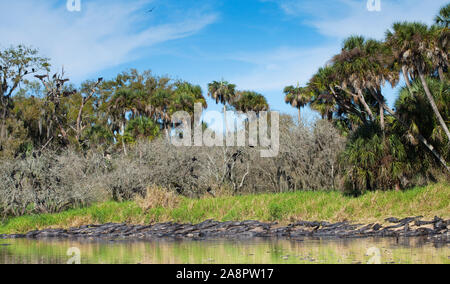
438 50
410 43
416 110
325 86
373 162
357 68
364 66
15 64
297 97
250 101
90 89
224 93
443 19
141 128
186 96
56 94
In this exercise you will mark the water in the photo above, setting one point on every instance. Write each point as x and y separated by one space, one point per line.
224 252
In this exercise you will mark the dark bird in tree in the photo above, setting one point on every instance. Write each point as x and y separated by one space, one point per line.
67 93
63 81
40 77
100 79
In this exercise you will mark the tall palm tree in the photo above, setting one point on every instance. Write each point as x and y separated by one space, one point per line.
298 97
438 50
443 19
118 108
353 75
327 88
410 43
416 110
224 93
161 102
367 68
189 93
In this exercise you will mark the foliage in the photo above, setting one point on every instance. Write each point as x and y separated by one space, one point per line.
372 162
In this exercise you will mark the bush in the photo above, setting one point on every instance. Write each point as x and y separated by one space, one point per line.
373 161
51 182
157 197
48 183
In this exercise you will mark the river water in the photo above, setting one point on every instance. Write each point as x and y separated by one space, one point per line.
262 251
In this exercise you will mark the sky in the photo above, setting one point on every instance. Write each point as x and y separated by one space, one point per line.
260 45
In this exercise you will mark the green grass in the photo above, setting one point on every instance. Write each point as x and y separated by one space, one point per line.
430 201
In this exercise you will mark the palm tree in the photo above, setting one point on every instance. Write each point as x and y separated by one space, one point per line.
443 19
250 101
410 43
118 108
190 94
141 128
161 102
327 89
416 110
224 93
438 50
298 97
359 67
366 67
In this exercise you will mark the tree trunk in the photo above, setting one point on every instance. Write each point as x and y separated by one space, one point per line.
433 105
79 121
225 118
382 123
441 74
5 103
3 126
330 116
123 142
419 136
366 106
299 116
405 76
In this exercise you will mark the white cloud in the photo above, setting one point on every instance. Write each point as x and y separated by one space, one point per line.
276 69
104 34
342 18
337 19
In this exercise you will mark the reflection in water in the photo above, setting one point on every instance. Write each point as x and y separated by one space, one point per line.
226 252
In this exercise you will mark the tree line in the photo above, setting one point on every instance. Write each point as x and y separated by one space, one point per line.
50 113
385 145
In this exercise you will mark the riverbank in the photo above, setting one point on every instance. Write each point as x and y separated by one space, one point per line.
435 230
286 208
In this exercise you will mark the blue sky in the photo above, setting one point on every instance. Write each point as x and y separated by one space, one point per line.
260 45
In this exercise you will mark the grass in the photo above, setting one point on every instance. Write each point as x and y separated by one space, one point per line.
430 201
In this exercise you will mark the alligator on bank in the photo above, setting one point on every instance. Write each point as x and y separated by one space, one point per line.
436 230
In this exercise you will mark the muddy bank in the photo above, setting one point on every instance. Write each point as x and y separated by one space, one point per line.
436 230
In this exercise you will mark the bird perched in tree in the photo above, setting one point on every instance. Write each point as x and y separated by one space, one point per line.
100 79
40 77
63 81
69 93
